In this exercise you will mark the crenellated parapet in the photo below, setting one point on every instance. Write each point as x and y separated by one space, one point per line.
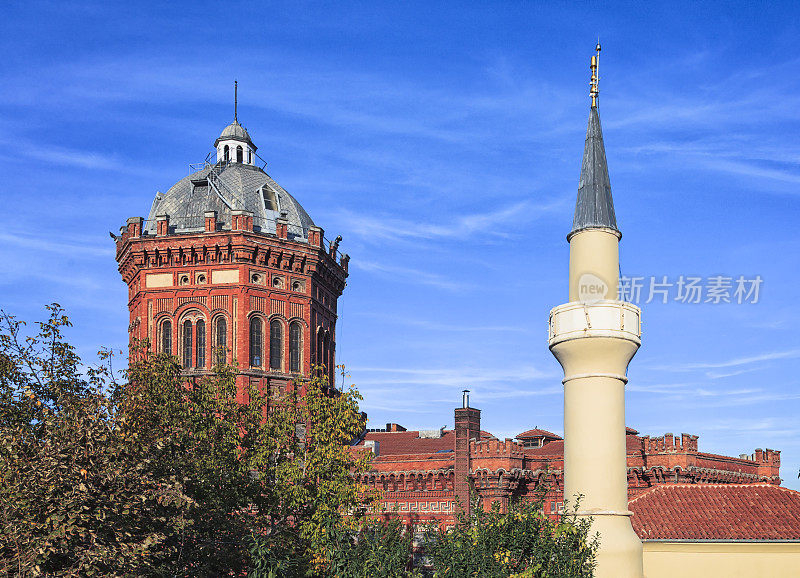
410 481
495 448
669 443
137 251
677 459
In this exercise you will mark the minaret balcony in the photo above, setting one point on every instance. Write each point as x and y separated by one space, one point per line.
606 318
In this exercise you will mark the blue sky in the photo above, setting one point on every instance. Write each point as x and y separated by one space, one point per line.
443 142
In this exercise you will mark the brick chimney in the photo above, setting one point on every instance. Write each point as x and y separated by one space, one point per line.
282 226
241 220
468 427
162 225
134 226
210 218
315 236
769 464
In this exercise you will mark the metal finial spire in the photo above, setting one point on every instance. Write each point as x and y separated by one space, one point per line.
594 89
236 100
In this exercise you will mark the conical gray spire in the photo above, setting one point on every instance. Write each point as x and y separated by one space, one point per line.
595 207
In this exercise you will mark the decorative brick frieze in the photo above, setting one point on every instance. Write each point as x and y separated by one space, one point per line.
171 274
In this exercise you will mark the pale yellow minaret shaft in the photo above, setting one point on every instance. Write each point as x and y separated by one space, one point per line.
594 337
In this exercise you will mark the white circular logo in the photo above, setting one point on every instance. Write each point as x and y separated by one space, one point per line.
591 288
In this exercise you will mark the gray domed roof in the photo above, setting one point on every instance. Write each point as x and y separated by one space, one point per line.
223 188
235 131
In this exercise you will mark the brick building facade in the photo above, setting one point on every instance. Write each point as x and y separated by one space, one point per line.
229 263
427 475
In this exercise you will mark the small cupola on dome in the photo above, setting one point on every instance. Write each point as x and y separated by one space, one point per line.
234 144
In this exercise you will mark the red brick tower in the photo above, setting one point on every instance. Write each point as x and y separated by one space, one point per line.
468 428
229 263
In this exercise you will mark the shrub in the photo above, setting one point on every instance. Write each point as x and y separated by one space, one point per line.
524 543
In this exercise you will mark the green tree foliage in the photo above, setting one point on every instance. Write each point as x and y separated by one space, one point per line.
79 495
162 475
376 549
524 543
155 475
215 446
310 478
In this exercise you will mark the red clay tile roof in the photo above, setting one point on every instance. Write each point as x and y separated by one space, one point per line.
554 448
409 442
633 443
537 433
717 512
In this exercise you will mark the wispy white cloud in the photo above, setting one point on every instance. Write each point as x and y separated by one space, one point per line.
734 362
453 377
775 427
746 360
723 374
494 223
752 170
441 393
711 398
705 392
429 325
63 245
411 275
670 388
81 159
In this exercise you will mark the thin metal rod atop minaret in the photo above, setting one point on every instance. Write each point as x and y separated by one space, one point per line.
236 100
594 88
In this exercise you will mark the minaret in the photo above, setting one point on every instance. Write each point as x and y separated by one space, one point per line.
594 337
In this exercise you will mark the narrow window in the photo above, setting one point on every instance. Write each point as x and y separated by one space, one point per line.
200 355
326 346
249 156
295 342
239 154
226 153
221 339
255 342
187 343
166 337
275 344
320 336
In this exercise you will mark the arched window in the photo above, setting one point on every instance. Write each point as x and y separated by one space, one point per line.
255 341
227 153
275 344
187 343
239 154
200 354
221 339
166 336
295 345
